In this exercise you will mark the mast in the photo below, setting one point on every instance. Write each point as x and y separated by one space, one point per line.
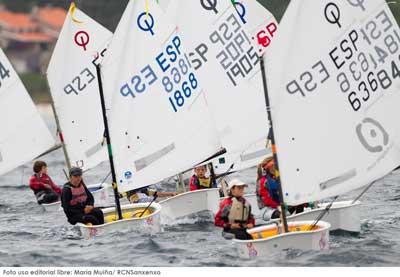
108 138
273 147
212 173
59 130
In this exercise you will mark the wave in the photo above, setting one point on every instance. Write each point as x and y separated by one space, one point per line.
202 217
14 187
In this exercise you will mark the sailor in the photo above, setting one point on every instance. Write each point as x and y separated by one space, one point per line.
267 191
45 190
199 179
234 214
78 202
146 194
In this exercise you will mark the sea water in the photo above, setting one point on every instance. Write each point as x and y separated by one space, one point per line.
31 237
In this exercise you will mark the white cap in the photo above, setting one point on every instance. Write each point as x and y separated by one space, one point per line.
237 183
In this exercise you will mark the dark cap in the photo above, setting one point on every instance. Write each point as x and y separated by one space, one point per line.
75 171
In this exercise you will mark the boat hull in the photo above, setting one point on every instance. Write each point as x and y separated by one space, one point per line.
52 207
303 240
189 203
343 215
147 224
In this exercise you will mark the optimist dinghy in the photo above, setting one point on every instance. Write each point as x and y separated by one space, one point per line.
314 159
149 147
235 129
77 108
271 239
188 203
342 215
136 218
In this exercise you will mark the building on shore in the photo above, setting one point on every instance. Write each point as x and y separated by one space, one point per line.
30 38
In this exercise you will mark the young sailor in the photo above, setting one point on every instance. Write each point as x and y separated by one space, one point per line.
234 214
146 194
199 179
43 187
77 201
267 191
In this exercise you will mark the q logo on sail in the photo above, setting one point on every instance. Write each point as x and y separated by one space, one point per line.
372 135
145 22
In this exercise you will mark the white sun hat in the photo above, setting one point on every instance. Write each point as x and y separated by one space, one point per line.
237 183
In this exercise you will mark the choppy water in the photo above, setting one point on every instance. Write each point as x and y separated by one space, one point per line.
31 237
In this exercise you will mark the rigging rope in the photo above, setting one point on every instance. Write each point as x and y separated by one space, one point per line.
323 213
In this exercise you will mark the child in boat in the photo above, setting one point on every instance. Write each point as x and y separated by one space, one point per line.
45 190
267 191
78 202
234 214
199 179
146 194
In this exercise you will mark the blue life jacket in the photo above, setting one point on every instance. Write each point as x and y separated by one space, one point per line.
272 186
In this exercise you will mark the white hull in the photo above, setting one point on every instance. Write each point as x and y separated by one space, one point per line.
189 203
303 240
343 215
53 207
148 224
101 198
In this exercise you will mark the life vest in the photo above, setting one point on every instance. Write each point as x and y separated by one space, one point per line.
140 197
202 183
40 192
79 195
271 185
239 211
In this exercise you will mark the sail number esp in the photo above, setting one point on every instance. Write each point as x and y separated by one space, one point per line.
172 69
365 60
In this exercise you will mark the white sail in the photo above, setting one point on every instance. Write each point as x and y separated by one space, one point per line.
248 158
243 150
333 78
226 55
159 122
74 87
24 135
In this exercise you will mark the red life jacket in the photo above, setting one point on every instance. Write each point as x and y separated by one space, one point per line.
78 195
264 196
233 210
37 184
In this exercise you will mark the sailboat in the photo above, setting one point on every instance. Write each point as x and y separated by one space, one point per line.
351 136
76 105
151 91
259 25
342 215
24 135
225 92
